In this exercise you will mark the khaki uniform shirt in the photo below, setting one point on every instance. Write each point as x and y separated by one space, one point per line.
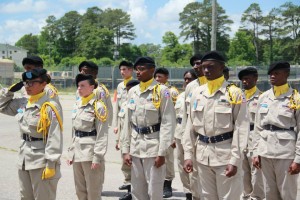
179 114
252 107
119 111
212 115
89 148
279 144
34 154
142 113
102 93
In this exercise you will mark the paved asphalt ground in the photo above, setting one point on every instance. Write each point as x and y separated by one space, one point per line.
9 142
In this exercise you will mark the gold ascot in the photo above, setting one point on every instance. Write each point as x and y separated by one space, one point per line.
145 85
127 80
214 85
85 100
279 90
249 93
33 99
202 80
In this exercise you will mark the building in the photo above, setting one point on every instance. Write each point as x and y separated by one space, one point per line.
12 52
6 71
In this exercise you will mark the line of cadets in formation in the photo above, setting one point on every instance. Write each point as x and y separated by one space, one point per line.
224 135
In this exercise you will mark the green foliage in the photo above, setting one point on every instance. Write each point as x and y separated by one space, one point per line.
29 42
105 62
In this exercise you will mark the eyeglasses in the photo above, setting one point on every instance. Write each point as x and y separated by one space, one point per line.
31 83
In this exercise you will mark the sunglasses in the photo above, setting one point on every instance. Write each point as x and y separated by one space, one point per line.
31 83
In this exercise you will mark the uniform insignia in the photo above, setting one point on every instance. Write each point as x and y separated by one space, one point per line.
190 95
195 105
53 114
167 94
20 110
102 94
264 105
131 101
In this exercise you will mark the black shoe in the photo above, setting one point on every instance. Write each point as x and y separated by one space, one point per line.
167 189
126 196
125 187
189 196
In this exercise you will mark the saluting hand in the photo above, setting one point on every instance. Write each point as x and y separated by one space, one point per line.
188 166
127 159
159 161
230 170
294 168
256 162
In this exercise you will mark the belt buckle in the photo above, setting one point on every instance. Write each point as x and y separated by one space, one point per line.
29 138
209 141
151 129
271 127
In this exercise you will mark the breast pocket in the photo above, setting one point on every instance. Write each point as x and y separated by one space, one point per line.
151 114
285 117
121 114
223 117
198 114
132 108
188 104
263 112
88 120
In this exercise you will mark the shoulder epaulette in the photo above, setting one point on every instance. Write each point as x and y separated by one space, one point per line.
105 89
103 115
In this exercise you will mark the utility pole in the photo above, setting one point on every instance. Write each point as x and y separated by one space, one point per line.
214 25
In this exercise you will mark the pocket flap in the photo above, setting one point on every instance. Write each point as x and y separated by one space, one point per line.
131 106
220 109
285 113
88 118
199 108
121 114
286 135
263 110
150 106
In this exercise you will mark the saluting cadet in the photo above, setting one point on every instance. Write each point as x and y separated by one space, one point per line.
161 75
148 132
40 124
195 62
188 77
276 149
33 62
217 132
253 183
126 70
89 142
101 92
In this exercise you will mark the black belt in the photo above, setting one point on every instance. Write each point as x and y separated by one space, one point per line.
276 128
27 137
179 120
217 138
85 134
251 127
146 130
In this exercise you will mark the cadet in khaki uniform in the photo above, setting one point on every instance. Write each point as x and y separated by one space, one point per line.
41 145
148 132
276 143
188 76
161 75
253 183
34 62
195 62
217 131
89 142
101 92
126 70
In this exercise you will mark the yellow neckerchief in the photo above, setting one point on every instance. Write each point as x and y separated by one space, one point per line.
202 80
249 93
145 85
127 80
85 100
214 85
279 90
33 99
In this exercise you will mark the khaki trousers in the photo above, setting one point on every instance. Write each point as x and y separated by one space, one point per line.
147 181
280 185
127 173
191 181
32 187
253 180
170 172
88 182
216 186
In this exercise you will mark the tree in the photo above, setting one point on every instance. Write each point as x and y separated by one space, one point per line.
253 16
29 42
270 24
242 50
119 22
196 24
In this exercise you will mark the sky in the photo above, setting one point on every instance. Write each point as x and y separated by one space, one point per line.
151 18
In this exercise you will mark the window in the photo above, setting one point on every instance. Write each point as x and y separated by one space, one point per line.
3 52
3 57
10 52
